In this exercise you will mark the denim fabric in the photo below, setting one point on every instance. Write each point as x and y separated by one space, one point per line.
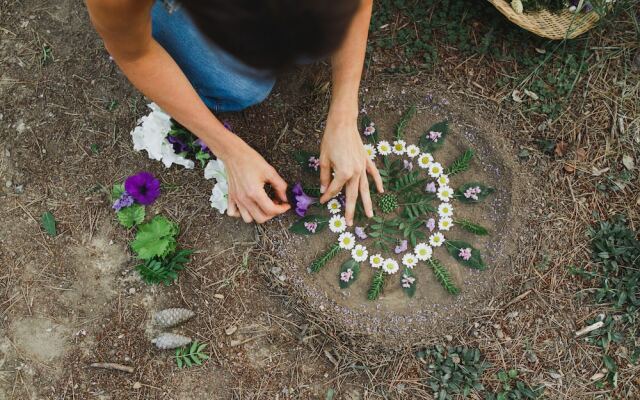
223 82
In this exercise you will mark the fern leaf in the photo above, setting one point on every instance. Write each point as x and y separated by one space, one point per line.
404 121
442 275
327 256
461 164
190 355
472 227
376 286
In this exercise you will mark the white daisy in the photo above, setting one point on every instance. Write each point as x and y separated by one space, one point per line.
384 147
436 239
445 193
423 251
359 253
409 260
435 169
337 224
390 266
399 147
443 180
424 160
445 223
376 260
412 150
334 206
371 151
445 210
346 240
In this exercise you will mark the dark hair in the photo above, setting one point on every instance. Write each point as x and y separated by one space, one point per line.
273 34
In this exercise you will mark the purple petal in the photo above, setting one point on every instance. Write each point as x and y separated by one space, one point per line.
143 187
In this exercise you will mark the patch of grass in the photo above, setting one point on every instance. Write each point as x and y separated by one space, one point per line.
512 388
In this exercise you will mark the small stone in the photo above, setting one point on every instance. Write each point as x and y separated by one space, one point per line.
235 343
137 385
448 338
8 184
231 330
218 296
132 290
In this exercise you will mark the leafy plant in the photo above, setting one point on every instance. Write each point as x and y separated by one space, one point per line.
327 256
416 204
390 170
48 222
383 231
410 229
442 275
404 121
377 284
408 182
471 227
354 266
131 216
461 164
513 388
475 261
156 238
159 270
190 355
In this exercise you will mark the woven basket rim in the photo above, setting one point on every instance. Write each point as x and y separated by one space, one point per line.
556 26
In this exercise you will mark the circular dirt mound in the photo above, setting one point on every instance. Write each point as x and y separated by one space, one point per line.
395 319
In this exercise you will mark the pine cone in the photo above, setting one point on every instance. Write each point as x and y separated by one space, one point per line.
172 317
388 202
170 341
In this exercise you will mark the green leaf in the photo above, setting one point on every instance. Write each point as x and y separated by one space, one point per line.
48 222
203 157
461 164
408 182
190 355
454 247
327 256
131 216
427 145
354 266
299 228
484 192
302 157
155 238
411 290
471 227
404 121
157 270
117 191
377 284
442 275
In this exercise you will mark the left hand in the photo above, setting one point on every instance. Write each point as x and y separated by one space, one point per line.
342 152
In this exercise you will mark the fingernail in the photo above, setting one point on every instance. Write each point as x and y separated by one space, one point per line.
322 188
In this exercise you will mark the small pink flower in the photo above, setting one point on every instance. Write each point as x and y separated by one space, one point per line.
401 247
472 193
431 224
434 136
431 187
314 163
311 226
408 165
347 275
465 254
407 281
359 231
369 130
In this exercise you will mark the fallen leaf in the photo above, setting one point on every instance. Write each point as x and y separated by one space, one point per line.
516 95
561 148
628 162
597 172
581 154
570 168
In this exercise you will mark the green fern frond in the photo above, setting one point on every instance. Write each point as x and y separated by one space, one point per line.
461 164
416 204
472 227
408 182
327 256
191 355
442 275
157 270
404 121
376 286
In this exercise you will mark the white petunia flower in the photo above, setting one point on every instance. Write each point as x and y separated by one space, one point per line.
399 147
359 253
215 170
371 151
390 266
346 240
445 193
443 180
445 210
412 150
384 147
435 169
334 206
337 224
376 260
423 251
220 196
436 240
150 135
424 160
409 260
445 223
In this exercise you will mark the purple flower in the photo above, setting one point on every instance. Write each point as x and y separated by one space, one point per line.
359 231
434 136
431 224
465 254
346 275
401 247
143 187
431 187
124 201
301 200
408 165
311 226
202 144
342 199
179 146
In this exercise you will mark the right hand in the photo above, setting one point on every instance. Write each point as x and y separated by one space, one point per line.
247 174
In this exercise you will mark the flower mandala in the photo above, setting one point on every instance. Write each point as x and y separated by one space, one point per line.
414 216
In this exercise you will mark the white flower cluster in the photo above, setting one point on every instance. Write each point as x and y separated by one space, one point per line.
151 134
220 194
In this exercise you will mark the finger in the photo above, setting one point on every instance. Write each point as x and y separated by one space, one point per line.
373 171
365 195
333 189
352 196
268 207
246 216
232 208
279 186
325 175
254 210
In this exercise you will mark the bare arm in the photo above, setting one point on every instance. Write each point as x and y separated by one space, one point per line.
125 27
342 149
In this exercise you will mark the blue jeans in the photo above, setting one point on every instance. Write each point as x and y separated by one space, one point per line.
223 82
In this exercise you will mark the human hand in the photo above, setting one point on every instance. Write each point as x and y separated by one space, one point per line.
343 152
247 174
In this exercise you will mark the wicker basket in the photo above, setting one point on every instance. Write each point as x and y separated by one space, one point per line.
557 26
